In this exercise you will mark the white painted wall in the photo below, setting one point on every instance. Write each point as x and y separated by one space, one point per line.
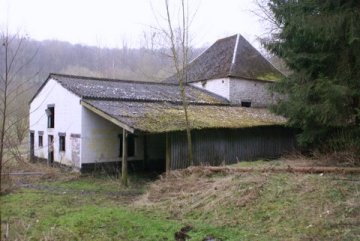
67 120
100 140
236 90
220 87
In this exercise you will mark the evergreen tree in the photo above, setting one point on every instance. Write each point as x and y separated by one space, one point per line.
319 40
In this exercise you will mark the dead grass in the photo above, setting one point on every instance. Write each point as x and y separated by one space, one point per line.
223 204
182 192
288 206
342 159
41 172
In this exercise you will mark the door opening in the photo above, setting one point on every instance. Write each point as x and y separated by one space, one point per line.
32 146
50 149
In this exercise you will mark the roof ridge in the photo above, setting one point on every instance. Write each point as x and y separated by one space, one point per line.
108 79
235 50
253 49
153 101
219 40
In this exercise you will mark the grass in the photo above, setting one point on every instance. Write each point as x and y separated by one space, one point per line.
248 206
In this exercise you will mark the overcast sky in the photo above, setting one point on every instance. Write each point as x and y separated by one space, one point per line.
110 23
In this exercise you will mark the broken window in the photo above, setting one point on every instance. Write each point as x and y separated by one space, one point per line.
50 112
62 141
130 145
246 103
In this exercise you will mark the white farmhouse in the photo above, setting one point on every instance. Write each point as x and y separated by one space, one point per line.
82 121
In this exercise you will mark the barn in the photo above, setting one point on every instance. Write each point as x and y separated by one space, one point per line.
86 122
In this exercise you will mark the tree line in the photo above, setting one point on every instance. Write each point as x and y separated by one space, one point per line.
319 41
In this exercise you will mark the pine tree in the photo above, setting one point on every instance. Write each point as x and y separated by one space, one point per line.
319 40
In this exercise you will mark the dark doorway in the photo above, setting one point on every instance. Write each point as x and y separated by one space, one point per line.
130 145
154 152
32 145
50 149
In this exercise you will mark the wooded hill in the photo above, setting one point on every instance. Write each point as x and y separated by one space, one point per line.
52 56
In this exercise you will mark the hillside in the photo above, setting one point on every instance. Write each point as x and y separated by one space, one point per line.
36 59
192 204
52 56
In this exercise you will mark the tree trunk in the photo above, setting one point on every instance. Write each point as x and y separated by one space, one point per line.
188 127
180 66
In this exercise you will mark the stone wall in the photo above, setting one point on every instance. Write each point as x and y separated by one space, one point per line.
253 91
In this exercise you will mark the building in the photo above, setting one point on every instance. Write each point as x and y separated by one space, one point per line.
82 121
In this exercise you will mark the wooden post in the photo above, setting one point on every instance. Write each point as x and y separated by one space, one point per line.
124 171
168 153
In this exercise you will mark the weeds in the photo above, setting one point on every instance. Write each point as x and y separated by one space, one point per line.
216 205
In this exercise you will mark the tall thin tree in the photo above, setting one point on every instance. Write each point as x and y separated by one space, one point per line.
179 46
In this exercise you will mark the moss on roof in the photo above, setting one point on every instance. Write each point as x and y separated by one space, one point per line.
166 117
269 77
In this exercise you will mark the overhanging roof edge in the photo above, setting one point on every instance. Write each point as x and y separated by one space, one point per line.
107 116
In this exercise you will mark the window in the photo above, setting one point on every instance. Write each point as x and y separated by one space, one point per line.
246 103
50 112
130 145
40 140
62 143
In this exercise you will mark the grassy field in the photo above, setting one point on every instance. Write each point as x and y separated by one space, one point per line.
247 206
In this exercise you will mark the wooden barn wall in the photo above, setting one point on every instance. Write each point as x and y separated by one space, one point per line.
227 146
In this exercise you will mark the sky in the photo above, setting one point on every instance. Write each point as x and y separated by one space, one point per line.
113 23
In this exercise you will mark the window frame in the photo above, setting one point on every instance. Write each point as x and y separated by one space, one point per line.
41 139
62 142
50 112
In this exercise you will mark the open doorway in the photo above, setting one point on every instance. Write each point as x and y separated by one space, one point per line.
50 149
154 152
32 146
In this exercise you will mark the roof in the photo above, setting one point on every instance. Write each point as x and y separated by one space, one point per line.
233 56
114 89
157 117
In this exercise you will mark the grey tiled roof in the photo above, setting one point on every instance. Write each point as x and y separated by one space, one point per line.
96 88
218 61
156 117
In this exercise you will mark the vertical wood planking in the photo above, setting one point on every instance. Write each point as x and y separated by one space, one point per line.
217 146
168 152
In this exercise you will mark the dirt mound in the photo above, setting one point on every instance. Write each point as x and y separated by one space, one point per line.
182 192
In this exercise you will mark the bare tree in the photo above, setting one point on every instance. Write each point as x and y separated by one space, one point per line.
177 37
264 13
13 91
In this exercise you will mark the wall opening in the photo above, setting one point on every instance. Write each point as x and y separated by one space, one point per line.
246 103
40 140
32 146
50 112
50 149
130 145
154 153
62 143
